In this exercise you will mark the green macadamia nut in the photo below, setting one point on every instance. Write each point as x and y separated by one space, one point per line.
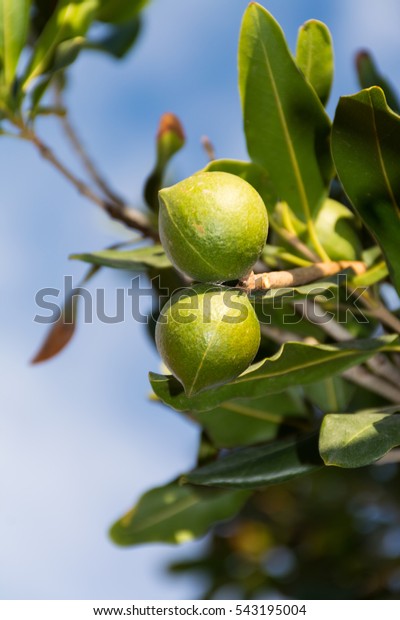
213 226
207 335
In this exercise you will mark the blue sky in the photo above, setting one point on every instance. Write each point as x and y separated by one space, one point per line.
79 440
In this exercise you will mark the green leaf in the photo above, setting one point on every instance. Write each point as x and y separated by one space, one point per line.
314 56
334 226
14 21
358 439
134 260
371 255
373 275
71 19
296 363
175 514
252 468
118 39
368 75
335 230
119 11
250 172
332 394
366 150
287 129
248 421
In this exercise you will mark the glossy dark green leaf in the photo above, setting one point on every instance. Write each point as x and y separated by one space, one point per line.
175 514
248 421
118 40
358 439
14 21
69 20
286 127
250 172
260 466
295 363
366 150
152 256
369 75
119 11
314 56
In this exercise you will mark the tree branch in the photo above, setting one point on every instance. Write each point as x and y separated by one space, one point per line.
208 147
299 275
367 380
87 161
379 364
382 314
132 218
295 242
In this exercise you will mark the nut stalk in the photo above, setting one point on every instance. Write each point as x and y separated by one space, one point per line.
300 275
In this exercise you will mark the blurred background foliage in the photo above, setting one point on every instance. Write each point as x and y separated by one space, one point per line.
325 536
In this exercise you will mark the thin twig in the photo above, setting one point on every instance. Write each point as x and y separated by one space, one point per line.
379 364
383 367
367 380
295 242
280 336
313 312
88 163
208 147
357 375
382 314
379 312
299 275
130 217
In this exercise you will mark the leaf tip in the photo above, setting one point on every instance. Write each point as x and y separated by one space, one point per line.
113 534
